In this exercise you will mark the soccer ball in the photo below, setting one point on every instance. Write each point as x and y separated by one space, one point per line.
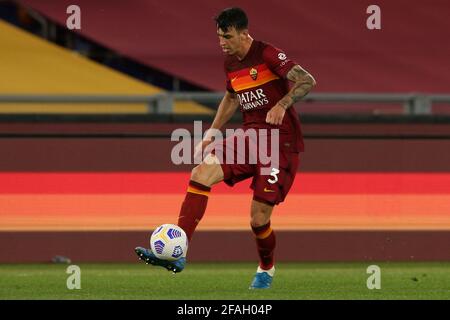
169 242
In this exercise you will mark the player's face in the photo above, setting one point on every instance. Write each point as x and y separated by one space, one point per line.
230 40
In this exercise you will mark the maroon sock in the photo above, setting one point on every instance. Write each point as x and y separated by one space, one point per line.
193 208
265 241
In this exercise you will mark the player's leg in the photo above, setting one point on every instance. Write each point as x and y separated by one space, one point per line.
203 176
265 243
269 191
265 237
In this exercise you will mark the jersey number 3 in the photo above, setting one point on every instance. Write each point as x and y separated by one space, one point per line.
274 174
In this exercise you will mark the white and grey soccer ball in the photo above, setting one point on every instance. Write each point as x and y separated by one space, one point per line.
169 242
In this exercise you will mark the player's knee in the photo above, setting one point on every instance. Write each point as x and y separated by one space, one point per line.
207 173
198 174
259 219
203 174
260 214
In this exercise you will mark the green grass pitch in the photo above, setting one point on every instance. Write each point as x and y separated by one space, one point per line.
221 281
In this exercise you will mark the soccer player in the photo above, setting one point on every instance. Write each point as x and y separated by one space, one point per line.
258 82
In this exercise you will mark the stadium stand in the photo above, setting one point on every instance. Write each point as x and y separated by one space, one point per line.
378 185
34 66
329 37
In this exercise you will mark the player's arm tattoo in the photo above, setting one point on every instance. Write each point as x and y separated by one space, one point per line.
303 83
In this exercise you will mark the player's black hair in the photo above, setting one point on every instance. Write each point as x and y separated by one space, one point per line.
232 17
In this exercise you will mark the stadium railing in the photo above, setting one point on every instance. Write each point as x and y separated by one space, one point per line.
413 103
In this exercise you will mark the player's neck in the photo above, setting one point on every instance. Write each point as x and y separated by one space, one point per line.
245 48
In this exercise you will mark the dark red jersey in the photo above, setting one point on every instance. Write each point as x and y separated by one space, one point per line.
259 80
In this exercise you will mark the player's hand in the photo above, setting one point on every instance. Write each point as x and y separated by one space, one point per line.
275 115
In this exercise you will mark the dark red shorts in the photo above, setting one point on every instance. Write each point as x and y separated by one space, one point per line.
270 188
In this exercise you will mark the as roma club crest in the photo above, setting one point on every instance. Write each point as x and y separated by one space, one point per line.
253 73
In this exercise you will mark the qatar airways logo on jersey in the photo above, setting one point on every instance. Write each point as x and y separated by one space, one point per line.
252 99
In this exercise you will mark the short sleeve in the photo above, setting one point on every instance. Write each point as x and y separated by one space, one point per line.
229 87
228 81
277 61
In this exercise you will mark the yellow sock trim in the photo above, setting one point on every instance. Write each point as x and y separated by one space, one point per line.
197 191
265 234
